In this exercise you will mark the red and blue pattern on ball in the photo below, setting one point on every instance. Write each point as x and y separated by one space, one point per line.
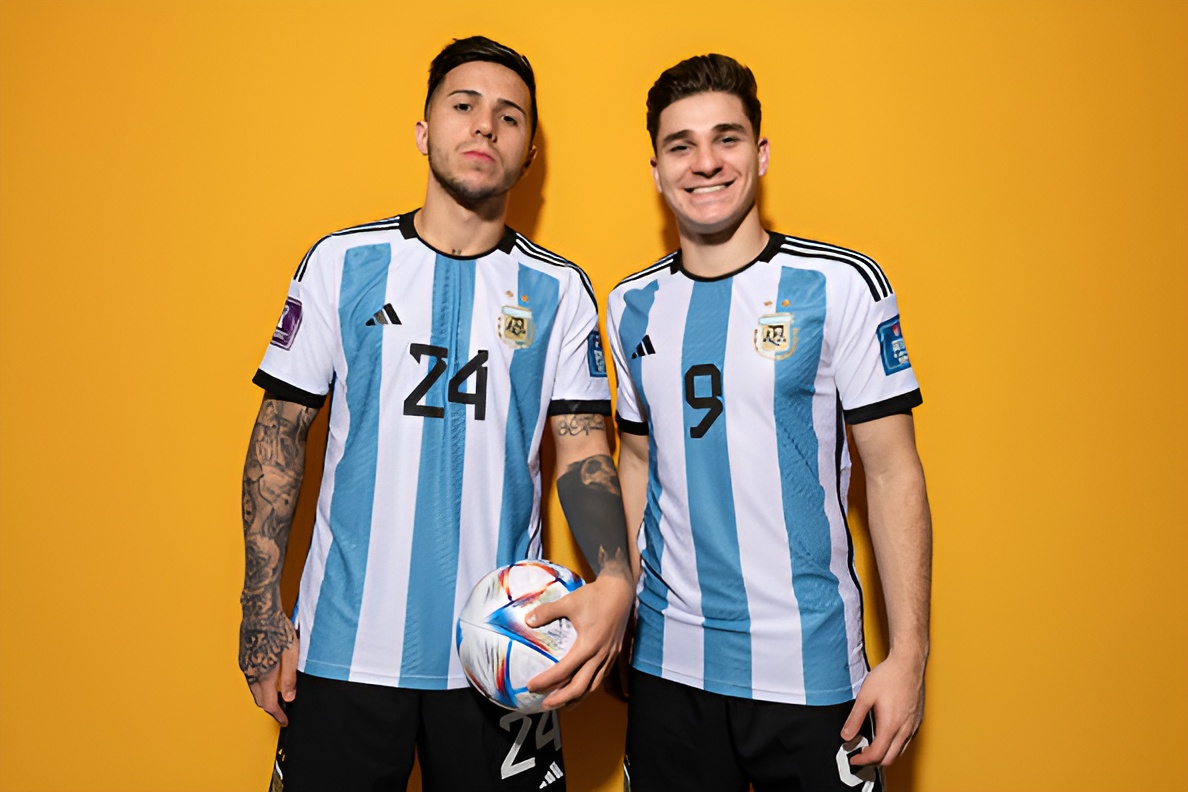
509 622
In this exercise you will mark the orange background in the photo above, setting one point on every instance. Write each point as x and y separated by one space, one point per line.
1019 168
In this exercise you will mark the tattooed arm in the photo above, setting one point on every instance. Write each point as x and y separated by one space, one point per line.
588 489
271 481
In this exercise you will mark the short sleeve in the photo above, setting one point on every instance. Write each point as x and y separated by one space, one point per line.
580 385
298 364
874 374
628 415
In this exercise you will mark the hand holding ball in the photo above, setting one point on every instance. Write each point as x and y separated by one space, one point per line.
499 652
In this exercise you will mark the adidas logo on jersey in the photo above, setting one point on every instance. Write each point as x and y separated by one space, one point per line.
644 348
554 773
384 316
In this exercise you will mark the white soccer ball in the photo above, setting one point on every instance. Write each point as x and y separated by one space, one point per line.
499 652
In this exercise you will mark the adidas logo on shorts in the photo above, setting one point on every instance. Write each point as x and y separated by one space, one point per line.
552 774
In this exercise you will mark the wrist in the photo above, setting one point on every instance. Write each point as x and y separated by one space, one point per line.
912 653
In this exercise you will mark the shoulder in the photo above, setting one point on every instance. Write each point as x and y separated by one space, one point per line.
335 244
539 257
653 272
835 262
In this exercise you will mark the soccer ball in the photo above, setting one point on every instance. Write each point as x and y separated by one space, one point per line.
499 652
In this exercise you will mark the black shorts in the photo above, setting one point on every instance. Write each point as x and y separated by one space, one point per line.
348 736
680 737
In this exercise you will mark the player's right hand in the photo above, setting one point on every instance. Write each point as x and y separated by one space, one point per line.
264 669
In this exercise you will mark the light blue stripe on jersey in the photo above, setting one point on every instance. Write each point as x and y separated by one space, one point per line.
727 649
433 568
822 614
527 375
649 643
336 620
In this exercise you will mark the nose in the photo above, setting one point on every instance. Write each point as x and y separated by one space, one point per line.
485 125
707 163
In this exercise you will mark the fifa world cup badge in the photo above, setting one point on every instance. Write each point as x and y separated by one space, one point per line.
776 335
516 327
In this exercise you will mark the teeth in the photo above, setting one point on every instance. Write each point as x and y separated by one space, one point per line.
715 188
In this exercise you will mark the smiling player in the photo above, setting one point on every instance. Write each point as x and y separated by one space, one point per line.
448 344
741 360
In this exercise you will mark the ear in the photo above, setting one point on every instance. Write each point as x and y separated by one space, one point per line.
764 155
656 175
422 136
528 160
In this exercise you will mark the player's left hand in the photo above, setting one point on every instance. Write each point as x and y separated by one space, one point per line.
895 691
599 612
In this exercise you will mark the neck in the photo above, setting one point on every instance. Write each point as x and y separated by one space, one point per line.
459 230
718 253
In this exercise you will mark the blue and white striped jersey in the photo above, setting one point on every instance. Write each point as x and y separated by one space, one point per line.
742 385
442 371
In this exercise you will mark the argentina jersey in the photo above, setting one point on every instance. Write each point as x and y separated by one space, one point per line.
442 372
743 385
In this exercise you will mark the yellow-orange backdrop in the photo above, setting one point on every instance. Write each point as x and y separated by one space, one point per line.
1019 168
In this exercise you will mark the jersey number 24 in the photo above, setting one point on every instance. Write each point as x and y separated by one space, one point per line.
475 367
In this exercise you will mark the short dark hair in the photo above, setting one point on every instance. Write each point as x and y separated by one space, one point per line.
700 74
481 48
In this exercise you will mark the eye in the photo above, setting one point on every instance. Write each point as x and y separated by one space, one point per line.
678 148
462 107
511 120
730 140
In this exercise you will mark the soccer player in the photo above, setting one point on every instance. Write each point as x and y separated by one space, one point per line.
449 344
741 359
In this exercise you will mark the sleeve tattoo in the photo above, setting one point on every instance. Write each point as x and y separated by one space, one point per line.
593 505
271 482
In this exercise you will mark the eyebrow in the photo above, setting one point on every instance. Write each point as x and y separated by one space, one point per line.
500 103
685 134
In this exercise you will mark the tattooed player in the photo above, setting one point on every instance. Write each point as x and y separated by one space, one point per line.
448 343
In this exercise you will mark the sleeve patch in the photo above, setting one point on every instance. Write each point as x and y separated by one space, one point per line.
287 326
594 355
891 346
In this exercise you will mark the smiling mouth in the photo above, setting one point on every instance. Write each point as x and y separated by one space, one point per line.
709 189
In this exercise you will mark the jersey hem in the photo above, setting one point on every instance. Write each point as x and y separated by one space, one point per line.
821 698
344 674
896 405
286 392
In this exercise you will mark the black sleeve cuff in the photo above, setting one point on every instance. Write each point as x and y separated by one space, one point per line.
286 392
573 407
631 427
896 405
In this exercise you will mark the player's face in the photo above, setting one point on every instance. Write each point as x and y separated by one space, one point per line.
477 132
708 163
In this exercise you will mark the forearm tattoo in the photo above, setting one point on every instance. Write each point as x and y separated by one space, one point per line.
574 425
271 482
593 505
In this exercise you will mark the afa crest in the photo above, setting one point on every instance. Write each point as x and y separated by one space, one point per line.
775 337
516 327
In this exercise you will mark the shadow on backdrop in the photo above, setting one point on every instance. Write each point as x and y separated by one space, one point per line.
527 197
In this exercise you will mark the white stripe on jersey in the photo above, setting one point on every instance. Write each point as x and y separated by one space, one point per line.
755 476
